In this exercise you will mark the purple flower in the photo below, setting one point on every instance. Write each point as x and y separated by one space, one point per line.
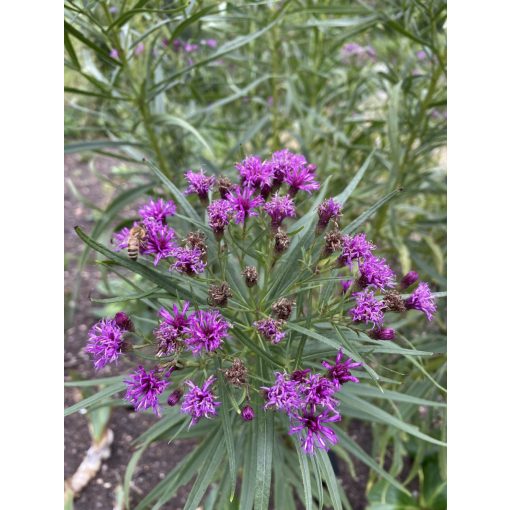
354 248
190 47
382 333
242 203
327 210
219 215
123 321
139 49
318 391
199 183
316 434
301 178
247 413
144 388
345 285
283 162
409 279
279 208
205 331
212 43
159 241
157 211
368 308
174 397
423 300
256 174
421 55
120 239
114 53
355 53
283 395
375 272
105 343
340 372
171 329
188 260
271 329
200 401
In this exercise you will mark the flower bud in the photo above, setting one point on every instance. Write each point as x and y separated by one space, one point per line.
219 294
283 308
250 275
345 285
281 241
174 397
382 334
124 322
299 375
247 413
327 210
393 302
409 279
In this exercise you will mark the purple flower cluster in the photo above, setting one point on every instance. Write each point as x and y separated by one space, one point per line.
219 213
188 260
355 248
144 389
160 240
355 53
423 300
308 400
271 329
256 174
243 204
170 331
106 342
200 402
328 210
199 183
157 211
205 331
279 208
368 308
375 272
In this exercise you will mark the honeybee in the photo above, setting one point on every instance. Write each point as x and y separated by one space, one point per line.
136 239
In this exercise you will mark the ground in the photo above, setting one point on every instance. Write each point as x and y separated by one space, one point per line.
125 424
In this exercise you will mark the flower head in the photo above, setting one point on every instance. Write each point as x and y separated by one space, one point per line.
106 342
198 183
200 402
301 178
170 330
340 372
314 433
158 210
375 272
327 210
188 260
353 248
159 240
279 208
206 331
423 300
139 49
243 204
120 239
247 413
368 308
283 395
318 391
256 174
283 162
144 388
219 213
271 329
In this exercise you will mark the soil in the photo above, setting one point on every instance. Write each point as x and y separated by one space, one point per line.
126 425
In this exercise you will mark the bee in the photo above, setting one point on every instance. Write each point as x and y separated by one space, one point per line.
136 240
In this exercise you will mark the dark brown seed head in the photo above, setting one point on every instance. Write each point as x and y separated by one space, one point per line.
283 308
236 374
332 242
196 240
250 275
281 241
394 302
219 294
224 186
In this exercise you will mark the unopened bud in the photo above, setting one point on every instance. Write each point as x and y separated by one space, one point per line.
174 397
382 334
247 413
124 322
409 279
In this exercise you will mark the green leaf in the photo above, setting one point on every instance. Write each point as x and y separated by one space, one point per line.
347 192
329 477
354 225
228 435
362 390
305 473
72 148
265 438
249 464
130 469
393 130
97 397
205 476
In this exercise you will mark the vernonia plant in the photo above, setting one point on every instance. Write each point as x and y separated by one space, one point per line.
268 319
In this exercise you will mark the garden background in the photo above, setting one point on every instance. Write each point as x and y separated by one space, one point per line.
350 85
